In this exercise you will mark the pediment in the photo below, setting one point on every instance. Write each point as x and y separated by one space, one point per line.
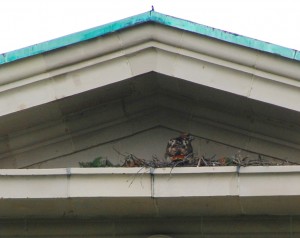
138 116
145 84
127 88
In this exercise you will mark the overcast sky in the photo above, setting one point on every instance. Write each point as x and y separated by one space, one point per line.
27 22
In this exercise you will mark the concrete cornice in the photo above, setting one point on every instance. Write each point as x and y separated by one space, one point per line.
140 37
198 190
122 55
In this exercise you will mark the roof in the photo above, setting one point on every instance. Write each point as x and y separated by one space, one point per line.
155 17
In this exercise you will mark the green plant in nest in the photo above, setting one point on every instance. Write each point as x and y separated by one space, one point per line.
96 163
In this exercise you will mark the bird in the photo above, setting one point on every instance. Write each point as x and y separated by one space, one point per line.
180 148
152 8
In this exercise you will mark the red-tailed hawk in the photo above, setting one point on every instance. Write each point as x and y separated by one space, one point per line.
180 147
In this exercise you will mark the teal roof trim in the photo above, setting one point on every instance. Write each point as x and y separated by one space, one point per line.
143 18
225 36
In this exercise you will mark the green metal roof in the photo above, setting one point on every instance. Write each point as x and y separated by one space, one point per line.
143 18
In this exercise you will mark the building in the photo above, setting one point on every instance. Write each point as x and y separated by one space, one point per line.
126 88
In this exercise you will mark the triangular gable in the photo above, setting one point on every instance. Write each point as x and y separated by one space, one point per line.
210 87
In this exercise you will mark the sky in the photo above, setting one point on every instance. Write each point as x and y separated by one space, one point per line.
27 22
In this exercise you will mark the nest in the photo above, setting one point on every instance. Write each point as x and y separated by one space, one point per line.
190 160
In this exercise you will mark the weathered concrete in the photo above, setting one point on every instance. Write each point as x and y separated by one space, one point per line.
134 192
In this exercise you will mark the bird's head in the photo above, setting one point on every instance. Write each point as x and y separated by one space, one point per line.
187 136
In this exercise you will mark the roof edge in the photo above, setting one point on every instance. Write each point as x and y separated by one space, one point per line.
73 38
149 16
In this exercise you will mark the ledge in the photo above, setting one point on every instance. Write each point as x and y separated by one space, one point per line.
162 192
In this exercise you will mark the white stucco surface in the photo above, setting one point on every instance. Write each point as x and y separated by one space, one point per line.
198 190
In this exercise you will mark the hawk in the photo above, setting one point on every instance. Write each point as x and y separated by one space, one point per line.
180 148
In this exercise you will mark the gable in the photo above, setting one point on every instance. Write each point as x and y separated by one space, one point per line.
143 83
128 92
